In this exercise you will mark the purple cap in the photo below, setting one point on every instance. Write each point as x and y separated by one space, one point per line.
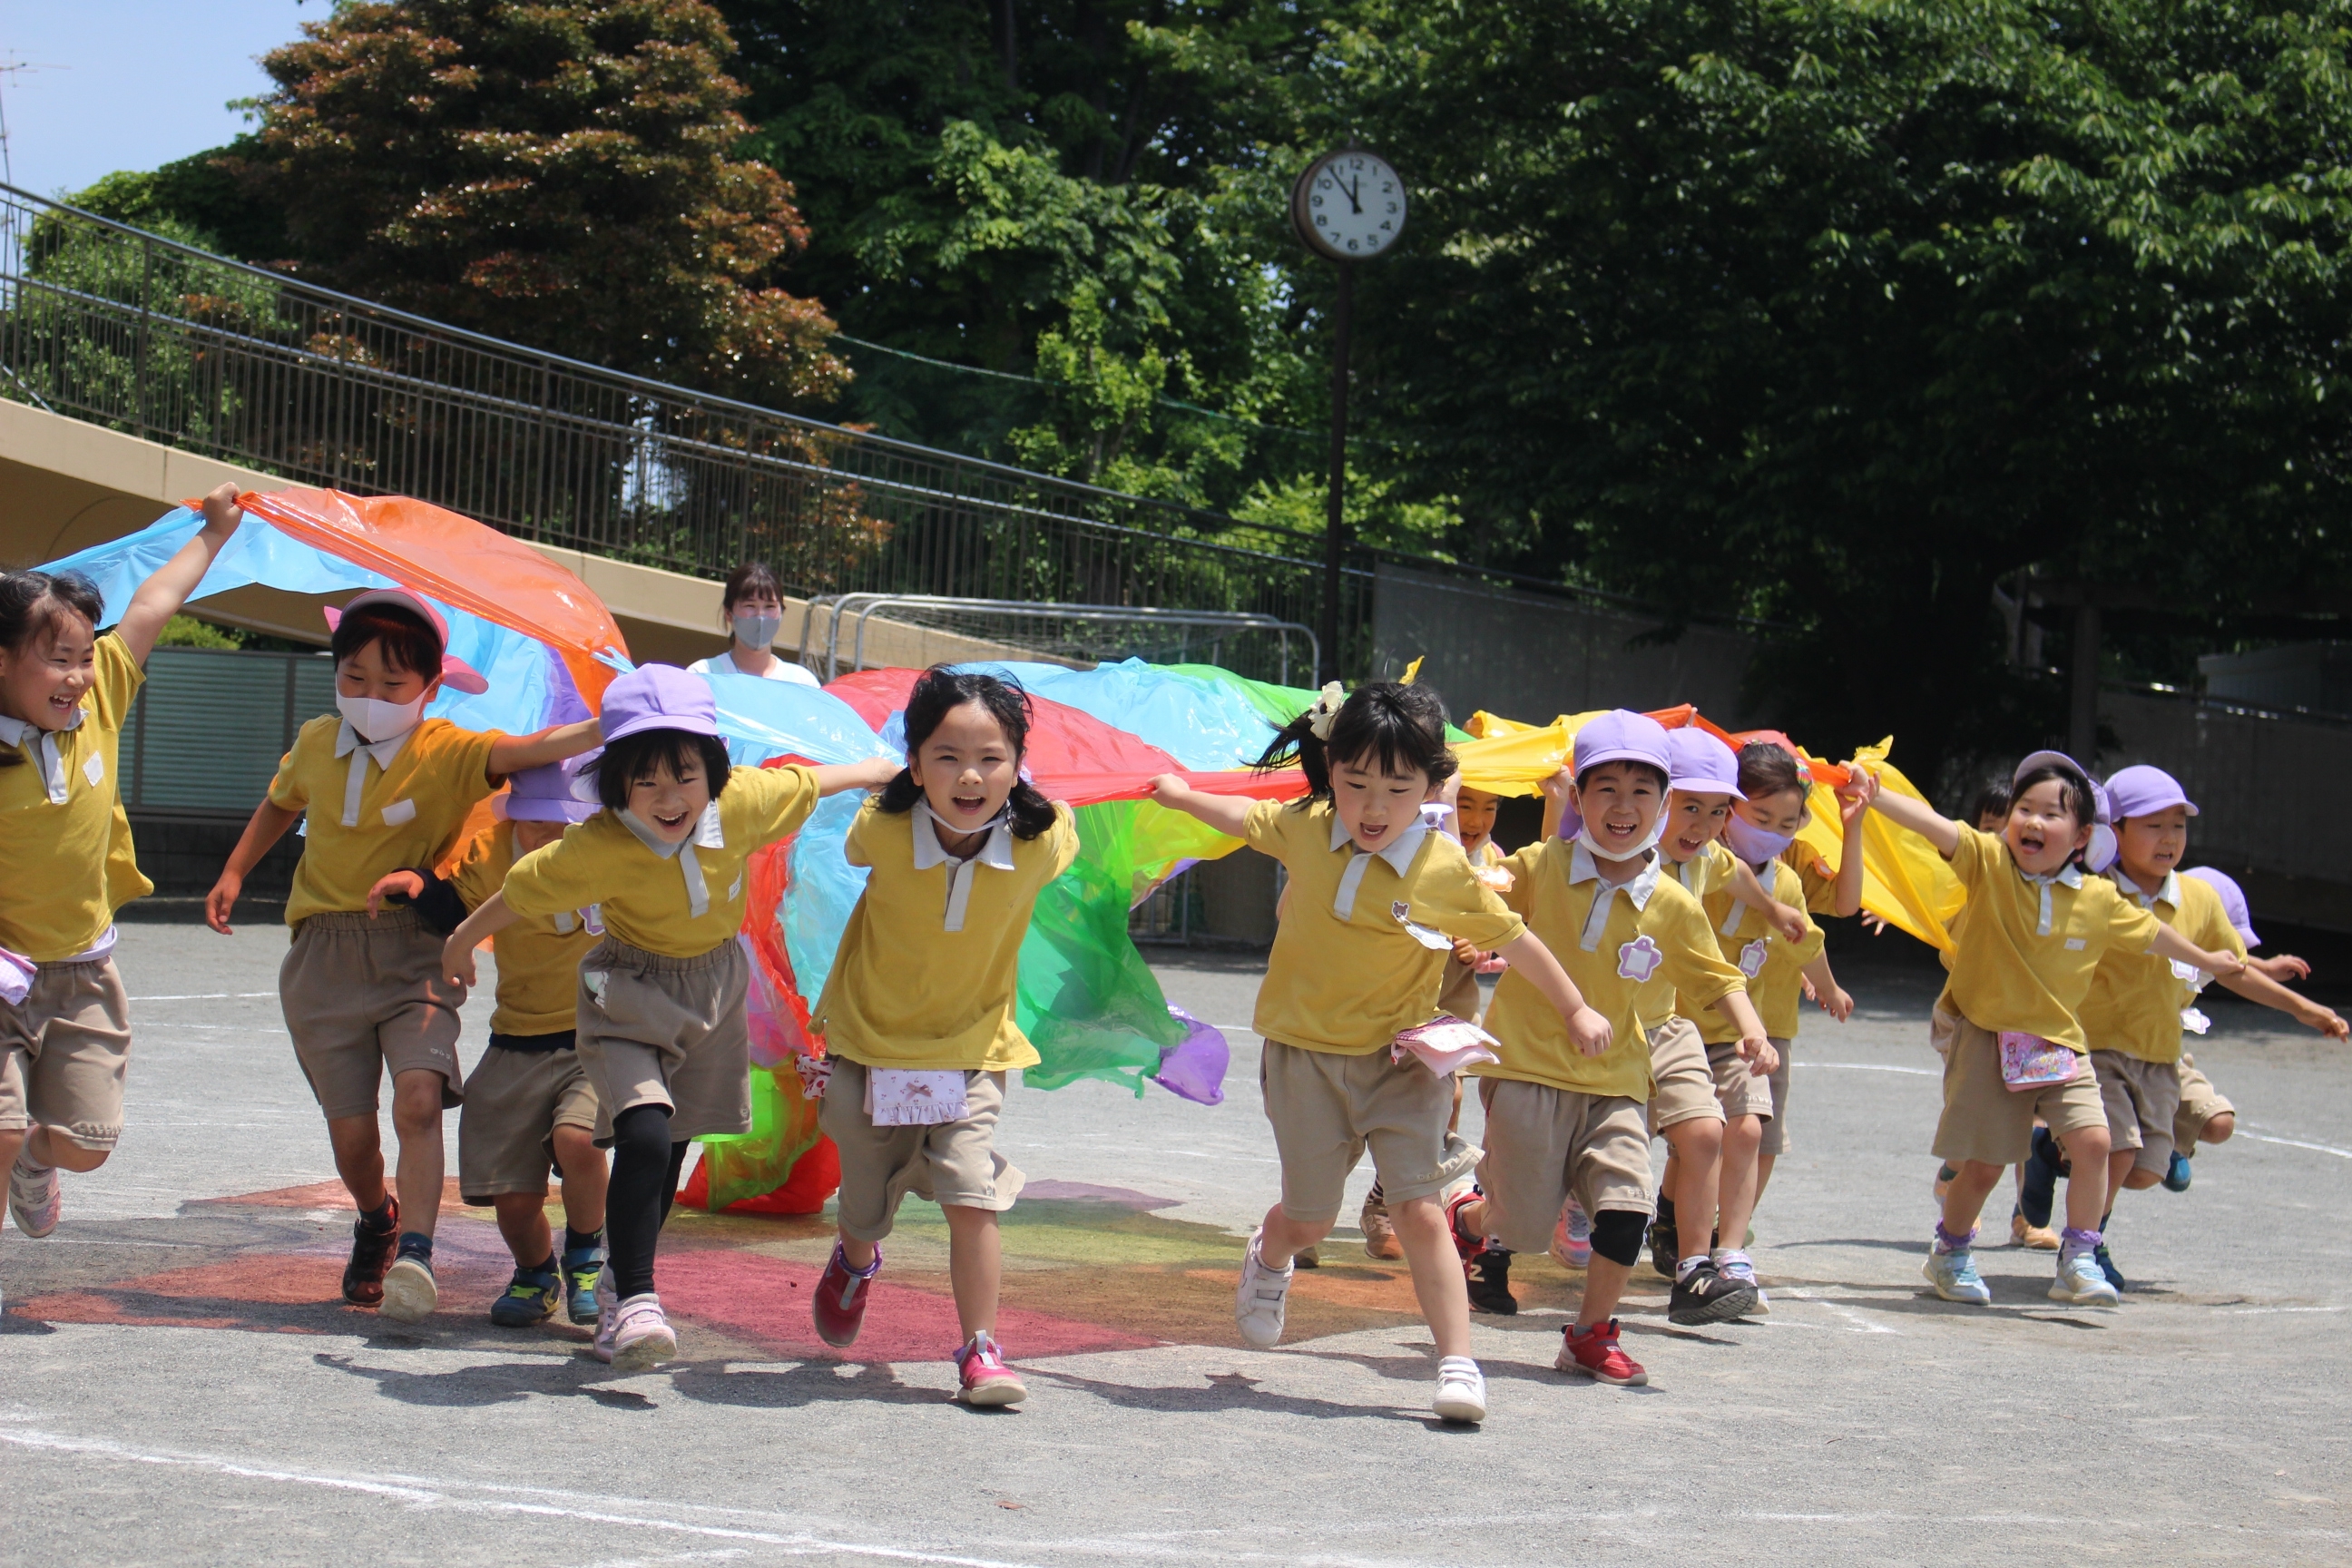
2234 900
1701 763
1622 735
559 792
2060 759
455 672
660 696
2142 791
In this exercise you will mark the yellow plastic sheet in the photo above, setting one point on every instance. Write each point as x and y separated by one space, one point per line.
1903 881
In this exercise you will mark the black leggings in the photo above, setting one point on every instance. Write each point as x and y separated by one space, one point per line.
645 1165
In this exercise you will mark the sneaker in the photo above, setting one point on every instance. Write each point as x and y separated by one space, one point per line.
2023 1232
2107 1267
409 1292
33 1198
1596 1353
1261 1299
982 1378
530 1298
1572 1238
1307 1257
1664 1244
582 1268
372 1251
838 1302
1488 1276
607 1297
1461 1390
1703 1294
2079 1283
1738 1268
1954 1276
2177 1173
1379 1233
642 1337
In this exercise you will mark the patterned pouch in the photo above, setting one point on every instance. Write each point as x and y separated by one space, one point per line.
2030 1062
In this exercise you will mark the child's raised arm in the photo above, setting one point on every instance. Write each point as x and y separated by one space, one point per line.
1228 814
1555 793
831 778
1533 961
1904 812
511 754
160 597
2256 987
2225 966
1851 808
269 824
1747 888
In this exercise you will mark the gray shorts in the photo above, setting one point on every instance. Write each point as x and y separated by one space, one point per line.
656 1030
952 1163
364 997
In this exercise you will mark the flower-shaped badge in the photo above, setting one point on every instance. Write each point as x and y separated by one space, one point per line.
1751 959
1639 959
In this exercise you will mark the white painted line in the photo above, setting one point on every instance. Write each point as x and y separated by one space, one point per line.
2252 1311
2299 1143
207 996
1871 1067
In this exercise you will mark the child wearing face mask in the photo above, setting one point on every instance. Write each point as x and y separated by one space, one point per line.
66 690
1375 903
660 1023
918 1014
2027 943
378 788
753 606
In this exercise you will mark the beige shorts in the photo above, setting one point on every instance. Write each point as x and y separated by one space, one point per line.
2141 1098
67 1046
364 997
656 1030
954 1163
1685 1083
1776 1131
1545 1145
1459 995
1739 1092
2199 1103
514 1099
1328 1109
1984 1120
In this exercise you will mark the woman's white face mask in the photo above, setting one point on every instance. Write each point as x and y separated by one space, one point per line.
378 721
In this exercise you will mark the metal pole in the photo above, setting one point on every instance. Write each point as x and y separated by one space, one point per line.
1335 524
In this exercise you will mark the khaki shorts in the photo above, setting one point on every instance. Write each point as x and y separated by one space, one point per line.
2199 1103
1328 1109
1459 995
656 1030
67 1045
364 997
514 1099
1739 1092
1545 1145
1984 1120
1685 1083
2141 1100
1776 1131
953 1163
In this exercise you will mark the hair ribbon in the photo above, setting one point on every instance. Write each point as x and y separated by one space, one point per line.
1328 702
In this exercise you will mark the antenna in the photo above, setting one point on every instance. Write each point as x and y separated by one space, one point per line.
12 67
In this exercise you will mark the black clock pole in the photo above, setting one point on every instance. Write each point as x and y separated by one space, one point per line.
1335 524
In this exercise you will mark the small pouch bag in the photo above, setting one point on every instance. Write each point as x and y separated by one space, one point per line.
2030 1062
815 1073
1445 1045
915 1097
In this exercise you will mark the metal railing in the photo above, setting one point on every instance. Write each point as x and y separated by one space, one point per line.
1084 632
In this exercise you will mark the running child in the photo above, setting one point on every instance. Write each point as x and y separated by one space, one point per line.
918 1014
660 1023
1377 900
2027 942
380 788
2206 1115
66 861
529 1104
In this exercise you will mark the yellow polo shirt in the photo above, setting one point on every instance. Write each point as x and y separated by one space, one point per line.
1349 981
410 811
63 867
2135 998
539 956
2008 972
929 967
1775 969
643 894
1652 943
1704 873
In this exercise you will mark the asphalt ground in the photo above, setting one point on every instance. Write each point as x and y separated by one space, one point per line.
179 1381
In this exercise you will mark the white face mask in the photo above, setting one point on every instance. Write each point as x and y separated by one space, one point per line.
378 721
758 631
1592 846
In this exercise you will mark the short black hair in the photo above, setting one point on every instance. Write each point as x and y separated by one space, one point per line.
1990 801
1401 728
409 641
1666 780
646 753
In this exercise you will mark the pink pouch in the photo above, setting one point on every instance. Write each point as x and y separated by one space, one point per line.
2029 1061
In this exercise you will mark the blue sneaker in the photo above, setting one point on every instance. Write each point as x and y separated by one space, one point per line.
530 1298
2079 1283
2107 1267
1954 1276
580 1266
2176 1174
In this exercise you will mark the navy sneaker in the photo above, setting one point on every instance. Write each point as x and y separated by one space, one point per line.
2037 1194
531 1297
579 1268
2176 1174
2107 1267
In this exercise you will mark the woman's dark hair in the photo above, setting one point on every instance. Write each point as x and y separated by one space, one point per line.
31 604
409 641
1766 770
640 755
940 691
1401 728
750 578
2074 792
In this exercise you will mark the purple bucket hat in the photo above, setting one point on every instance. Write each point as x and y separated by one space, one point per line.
2234 902
1702 764
1622 735
660 696
2142 791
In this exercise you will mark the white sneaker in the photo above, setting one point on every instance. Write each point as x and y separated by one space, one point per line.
608 1316
1736 1265
1461 1390
642 1337
34 1198
410 1294
1263 1296
2081 1282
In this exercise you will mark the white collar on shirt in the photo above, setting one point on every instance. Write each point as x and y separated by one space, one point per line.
2167 891
1399 856
46 756
1583 868
995 852
347 744
2069 874
706 835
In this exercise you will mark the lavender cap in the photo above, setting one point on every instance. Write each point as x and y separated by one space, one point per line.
559 792
2234 900
1622 735
2141 791
1702 764
660 696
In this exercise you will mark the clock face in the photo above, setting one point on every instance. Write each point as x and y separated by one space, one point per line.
1349 205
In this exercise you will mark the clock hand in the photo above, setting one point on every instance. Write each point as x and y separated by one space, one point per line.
1351 191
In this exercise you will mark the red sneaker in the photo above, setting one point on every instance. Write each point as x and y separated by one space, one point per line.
1596 1350
838 1302
1467 1245
986 1380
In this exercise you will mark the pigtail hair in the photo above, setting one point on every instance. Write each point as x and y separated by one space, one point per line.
1296 744
939 691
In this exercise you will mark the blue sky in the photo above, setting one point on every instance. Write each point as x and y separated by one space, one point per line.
129 84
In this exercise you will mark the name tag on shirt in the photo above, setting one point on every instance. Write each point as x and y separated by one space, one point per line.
94 769
1436 941
398 812
915 1097
2077 944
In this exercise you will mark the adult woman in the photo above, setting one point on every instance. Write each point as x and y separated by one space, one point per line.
754 607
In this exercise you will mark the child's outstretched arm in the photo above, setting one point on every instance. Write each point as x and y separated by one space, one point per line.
511 754
1904 812
1851 808
1227 813
261 835
1555 793
1748 888
2283 968
2256 987
160 597
458 952
831 778
1531 960
2224 966
1826 990
1755 1044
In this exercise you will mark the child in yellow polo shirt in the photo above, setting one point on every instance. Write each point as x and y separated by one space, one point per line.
917 1011
660 1026
1376 900
66 862
529 1104
378 788
2027 942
